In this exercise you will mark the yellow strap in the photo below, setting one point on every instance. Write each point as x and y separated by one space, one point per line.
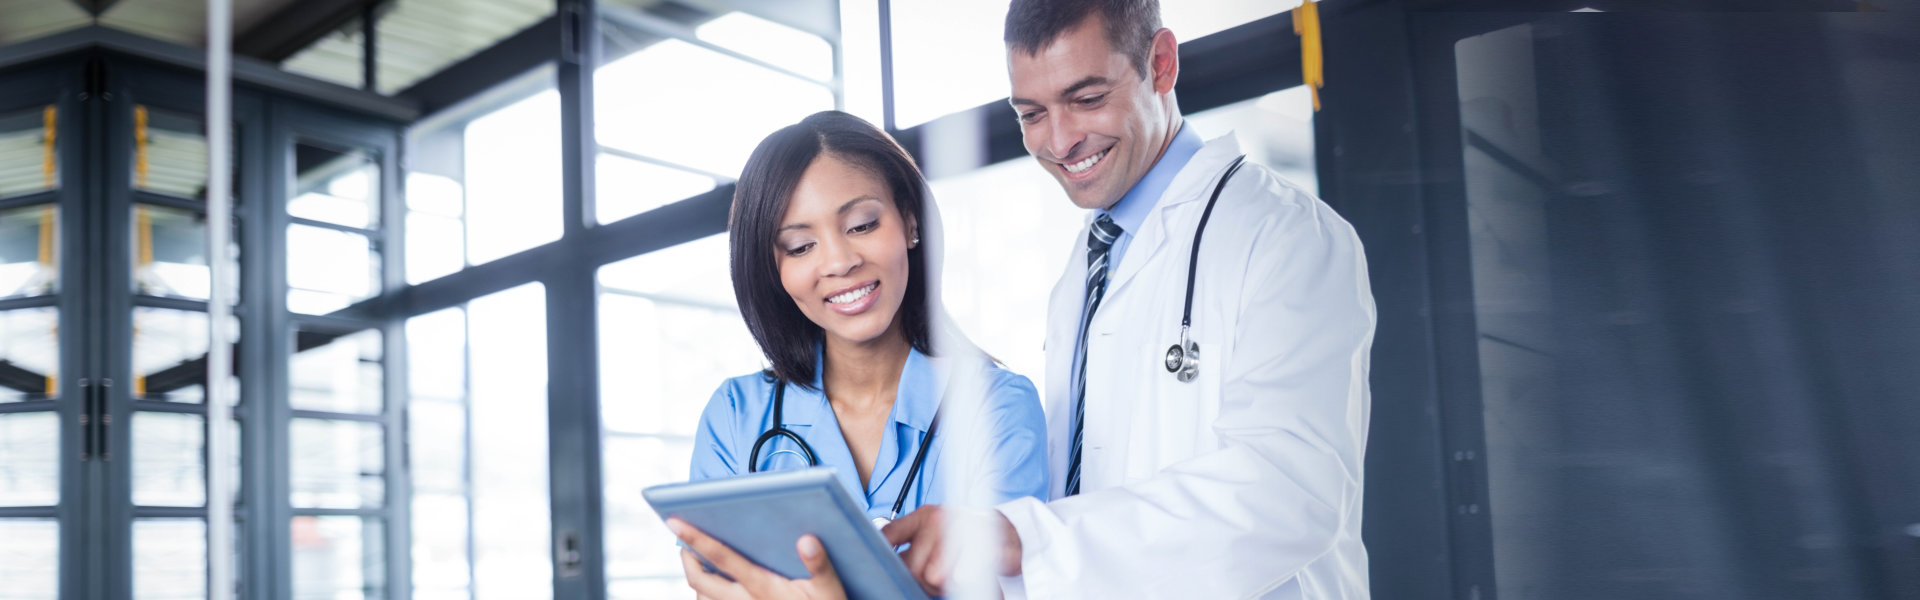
1306 23
143 234
52 115
46 236
139 146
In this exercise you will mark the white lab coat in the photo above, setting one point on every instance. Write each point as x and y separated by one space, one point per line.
1245 483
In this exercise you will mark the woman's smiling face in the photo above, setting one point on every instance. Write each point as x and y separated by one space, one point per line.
842 251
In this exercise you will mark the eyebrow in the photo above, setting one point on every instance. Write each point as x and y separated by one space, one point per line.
843 210
1088 81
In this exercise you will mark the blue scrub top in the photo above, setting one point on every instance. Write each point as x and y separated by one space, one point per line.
742 409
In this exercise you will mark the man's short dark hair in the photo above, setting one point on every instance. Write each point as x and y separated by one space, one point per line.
760 201
1032 25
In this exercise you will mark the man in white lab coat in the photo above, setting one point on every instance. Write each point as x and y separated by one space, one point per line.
1245 482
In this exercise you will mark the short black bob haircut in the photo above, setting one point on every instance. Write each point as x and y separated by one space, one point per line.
760 201
1033 25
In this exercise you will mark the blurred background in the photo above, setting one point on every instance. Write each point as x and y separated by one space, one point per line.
1647 272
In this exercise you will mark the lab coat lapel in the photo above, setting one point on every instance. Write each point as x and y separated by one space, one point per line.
1063 323
1192 183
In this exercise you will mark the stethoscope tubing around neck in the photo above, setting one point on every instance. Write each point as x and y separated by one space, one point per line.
1193 257
778 430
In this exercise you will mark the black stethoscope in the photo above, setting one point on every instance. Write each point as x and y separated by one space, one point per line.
1183 359
780 431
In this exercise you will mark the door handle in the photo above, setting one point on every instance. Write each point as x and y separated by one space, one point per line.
86 419
102 420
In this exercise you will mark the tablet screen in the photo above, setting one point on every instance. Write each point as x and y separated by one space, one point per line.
763 515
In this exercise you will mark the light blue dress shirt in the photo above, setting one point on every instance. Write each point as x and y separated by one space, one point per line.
742 409
1131 211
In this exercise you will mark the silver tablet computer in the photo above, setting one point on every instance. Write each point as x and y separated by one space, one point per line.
763 515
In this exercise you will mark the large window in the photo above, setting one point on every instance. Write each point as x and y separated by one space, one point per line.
478 431
753 76
670 332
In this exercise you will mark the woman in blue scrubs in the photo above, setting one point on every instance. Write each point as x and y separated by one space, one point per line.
832 277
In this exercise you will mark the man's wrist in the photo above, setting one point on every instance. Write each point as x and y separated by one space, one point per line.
1010 546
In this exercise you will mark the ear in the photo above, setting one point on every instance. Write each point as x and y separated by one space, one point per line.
913 230
1163 64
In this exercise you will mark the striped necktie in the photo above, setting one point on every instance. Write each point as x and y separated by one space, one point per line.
1099 241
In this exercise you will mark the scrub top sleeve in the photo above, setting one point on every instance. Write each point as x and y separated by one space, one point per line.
716 445
1018 455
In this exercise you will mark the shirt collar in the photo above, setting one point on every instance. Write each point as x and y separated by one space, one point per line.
922 382
1131 211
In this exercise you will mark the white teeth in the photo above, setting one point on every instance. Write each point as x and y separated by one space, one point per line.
1085 164
853 295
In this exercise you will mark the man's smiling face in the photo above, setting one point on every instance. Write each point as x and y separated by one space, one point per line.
1088 115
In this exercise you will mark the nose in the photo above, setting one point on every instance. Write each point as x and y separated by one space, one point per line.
840 257
1064 135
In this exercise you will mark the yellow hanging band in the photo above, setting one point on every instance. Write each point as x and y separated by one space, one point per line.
51 116
140 146
1306 24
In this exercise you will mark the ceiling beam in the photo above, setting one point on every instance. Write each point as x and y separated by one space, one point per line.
295 27
96 7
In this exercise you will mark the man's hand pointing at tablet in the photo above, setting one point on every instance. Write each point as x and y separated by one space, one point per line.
751 581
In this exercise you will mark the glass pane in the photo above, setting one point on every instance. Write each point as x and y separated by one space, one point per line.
1008 228
169 153
1274 130
169 559
804 53
338 558
513 178
440 543
29 353
170 352
629 187
511 525
638 543
437 354
329 269
712 126
29 157
437 443
29 459
337 464
662 360
1194 19
680 297
341 187
437 439
29 251
29 558
170 254
168 452
947 57
341 374
436 234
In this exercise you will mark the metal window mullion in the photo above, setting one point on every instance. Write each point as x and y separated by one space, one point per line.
371 234
257 336
635 156
575 494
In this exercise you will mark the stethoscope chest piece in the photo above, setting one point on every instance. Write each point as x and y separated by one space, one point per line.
1183 359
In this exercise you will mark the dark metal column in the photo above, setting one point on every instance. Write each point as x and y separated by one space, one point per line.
573 379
